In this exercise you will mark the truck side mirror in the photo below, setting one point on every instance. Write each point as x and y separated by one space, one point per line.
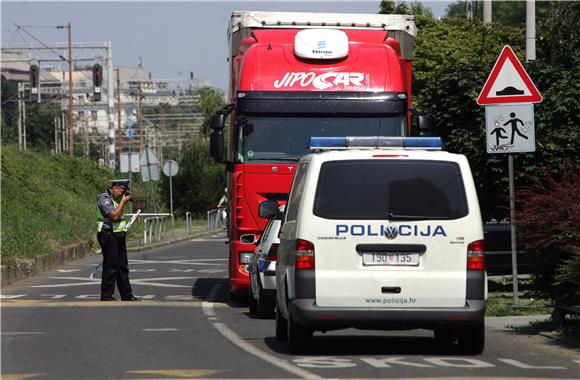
216 145
426 127
268 209
218 121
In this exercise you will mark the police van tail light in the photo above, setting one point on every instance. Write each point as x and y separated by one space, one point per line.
272 253
475 255
304 254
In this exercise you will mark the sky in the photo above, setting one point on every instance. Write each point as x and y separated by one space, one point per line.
172 38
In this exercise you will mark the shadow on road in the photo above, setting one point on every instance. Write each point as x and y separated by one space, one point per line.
369 345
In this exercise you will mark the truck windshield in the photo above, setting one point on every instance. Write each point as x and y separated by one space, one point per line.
284 139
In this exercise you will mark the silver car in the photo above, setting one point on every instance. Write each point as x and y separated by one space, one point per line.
262 269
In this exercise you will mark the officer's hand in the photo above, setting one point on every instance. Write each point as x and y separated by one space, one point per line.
127 198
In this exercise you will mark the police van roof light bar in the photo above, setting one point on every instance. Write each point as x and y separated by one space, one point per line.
345 142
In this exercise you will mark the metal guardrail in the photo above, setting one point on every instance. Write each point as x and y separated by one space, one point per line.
153 226
216 218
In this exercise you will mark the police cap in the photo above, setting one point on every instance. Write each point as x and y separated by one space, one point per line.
120 182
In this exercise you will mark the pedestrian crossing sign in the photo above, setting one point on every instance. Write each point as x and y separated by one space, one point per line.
510 128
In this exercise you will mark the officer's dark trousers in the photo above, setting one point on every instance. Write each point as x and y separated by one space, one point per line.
115 265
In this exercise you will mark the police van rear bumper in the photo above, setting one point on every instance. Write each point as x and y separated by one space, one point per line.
304 311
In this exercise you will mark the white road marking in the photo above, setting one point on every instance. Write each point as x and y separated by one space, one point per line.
54 296
459 362
207 308
67 270
324 362
382 363
11 296
139 281
519 364
161 330
178 262
24 333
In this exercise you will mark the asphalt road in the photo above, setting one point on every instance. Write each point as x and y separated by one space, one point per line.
54 327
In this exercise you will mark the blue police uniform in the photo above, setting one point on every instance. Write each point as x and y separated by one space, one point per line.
111 237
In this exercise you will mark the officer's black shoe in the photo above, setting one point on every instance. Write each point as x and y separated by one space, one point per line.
108 299
132 298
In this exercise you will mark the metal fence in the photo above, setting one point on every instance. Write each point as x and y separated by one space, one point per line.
216 218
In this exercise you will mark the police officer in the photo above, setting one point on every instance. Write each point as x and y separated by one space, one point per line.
111 233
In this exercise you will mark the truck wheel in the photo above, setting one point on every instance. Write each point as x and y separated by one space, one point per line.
252 303
299 337
281 322
265 305
471 339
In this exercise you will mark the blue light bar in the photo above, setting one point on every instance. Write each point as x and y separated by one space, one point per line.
327 142
423 142
318 143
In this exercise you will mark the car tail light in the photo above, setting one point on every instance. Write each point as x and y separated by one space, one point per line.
304 254
272 253
475 255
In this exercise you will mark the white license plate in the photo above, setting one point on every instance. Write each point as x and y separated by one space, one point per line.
383 258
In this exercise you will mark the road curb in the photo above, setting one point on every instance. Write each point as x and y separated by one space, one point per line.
33 267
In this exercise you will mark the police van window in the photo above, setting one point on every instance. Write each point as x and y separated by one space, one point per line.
296 192
390 190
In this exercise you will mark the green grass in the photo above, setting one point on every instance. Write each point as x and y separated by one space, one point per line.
47 202
500 299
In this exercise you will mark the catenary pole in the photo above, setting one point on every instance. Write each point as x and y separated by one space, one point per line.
110 105
70 94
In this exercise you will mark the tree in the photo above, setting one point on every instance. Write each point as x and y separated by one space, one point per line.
211 100
200 182
505 13
402 8
9 99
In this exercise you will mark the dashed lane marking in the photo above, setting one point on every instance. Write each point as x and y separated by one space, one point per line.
44 303
138 281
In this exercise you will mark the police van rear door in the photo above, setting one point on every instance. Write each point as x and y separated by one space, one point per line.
392 232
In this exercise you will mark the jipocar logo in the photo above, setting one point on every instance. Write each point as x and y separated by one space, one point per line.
323 81
390 231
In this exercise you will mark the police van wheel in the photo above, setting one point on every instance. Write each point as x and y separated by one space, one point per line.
281 326
471 339
299 337
265 305
252 303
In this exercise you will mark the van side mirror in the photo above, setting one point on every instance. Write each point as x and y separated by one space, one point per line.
268 209
426 127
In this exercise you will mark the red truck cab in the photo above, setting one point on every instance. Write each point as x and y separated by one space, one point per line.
297 75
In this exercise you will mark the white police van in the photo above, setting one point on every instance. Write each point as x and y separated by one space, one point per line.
381 233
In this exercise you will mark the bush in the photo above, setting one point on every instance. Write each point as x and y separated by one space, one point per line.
548 216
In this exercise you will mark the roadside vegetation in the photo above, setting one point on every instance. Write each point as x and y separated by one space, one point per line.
48 202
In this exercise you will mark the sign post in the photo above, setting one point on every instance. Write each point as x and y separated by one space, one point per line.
170 169
508 95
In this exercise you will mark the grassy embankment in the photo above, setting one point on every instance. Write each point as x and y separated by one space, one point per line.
48 202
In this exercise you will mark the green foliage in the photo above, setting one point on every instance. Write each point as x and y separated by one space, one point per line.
47 202
557 23
200 182
503 12
211 100
9 98
402 8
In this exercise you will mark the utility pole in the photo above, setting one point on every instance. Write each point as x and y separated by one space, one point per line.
530 30
486 12
70 95
140 114
110 106
119 121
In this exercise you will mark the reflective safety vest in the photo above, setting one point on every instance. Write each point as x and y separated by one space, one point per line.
118 226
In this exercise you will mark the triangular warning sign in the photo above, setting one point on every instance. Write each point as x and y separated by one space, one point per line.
508 82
